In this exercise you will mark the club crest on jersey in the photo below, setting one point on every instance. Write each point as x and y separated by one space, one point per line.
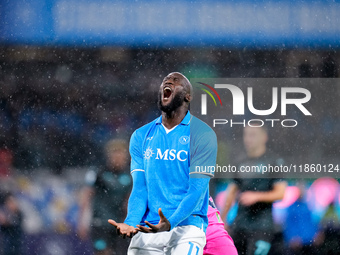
148 153
184 139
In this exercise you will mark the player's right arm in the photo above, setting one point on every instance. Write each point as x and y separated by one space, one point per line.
136 206
249 198
138 200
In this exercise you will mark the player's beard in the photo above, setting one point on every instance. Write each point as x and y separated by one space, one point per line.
175 103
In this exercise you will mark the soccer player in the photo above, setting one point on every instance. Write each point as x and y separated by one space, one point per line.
103 196
167 208
253 227
218 240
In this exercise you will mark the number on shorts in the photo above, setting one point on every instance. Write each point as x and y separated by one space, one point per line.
192 247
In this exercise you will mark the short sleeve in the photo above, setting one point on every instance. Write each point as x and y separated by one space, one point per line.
136 153
203 152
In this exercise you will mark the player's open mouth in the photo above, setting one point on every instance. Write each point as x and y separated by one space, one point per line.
167 92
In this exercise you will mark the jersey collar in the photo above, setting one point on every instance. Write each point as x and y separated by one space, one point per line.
185 121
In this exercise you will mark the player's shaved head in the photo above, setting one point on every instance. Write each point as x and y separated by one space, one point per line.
185 82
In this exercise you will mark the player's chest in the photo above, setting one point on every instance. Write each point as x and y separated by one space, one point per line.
170 147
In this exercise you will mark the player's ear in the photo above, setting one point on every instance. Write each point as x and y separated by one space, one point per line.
187 98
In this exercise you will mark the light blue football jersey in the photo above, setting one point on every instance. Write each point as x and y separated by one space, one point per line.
169 160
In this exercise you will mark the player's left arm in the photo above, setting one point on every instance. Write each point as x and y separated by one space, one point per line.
203 153
251 197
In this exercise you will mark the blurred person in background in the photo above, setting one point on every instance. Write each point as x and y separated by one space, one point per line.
7 171
299 227
10 224
328 239
6 160
105 196
253 228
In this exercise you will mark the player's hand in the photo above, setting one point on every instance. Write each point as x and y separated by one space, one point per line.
248 198
123 229
163 225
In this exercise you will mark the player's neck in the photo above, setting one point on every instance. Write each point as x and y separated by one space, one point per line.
258 152
173 119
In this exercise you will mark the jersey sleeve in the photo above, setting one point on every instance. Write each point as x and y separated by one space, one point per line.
198 188
136 152
138 200
203 152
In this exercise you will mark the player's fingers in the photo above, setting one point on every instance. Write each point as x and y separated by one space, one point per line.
132 233
153 227
112 222
161 214
144 229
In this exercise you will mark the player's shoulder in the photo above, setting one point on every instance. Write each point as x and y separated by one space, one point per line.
199 127
144 130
